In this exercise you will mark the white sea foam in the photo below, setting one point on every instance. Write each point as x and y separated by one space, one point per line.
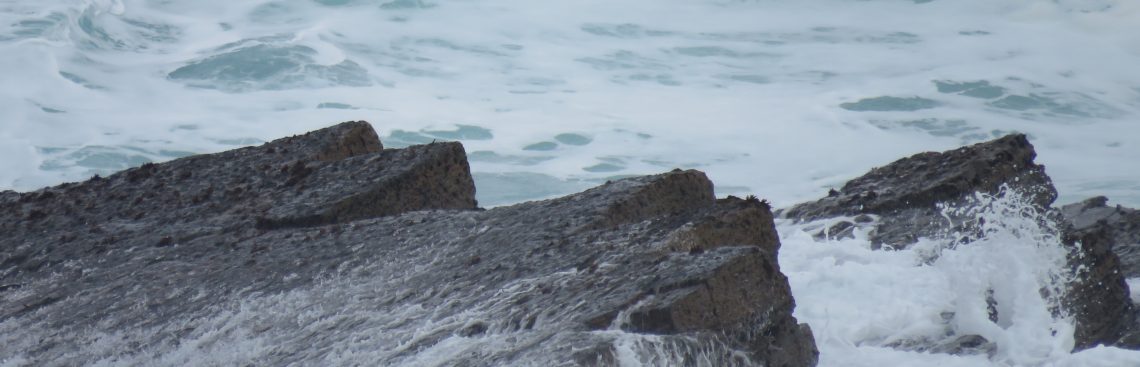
862 303
768 97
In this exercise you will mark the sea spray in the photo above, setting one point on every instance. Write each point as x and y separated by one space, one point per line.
1008 278
1000 275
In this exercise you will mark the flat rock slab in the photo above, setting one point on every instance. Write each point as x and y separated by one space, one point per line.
347 254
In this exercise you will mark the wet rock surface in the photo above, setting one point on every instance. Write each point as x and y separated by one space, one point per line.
1107 238
906 194
1099 300
964 344
321 247
1119 223
109 246
907 199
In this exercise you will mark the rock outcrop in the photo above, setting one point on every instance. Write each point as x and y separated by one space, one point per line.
1108 239
909 191
325 249
905 200
1120 224
201 209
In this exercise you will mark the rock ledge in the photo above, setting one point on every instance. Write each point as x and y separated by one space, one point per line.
305 245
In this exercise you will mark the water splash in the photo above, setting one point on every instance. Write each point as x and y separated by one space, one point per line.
1002 278
1012 271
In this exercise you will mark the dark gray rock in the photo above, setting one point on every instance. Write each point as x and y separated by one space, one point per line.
1106 237
1099 300
907 192
325 249
838 231
966 344
1121 223
960 345
200 209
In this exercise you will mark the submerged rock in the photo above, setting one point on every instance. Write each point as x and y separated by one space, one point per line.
326 249
961 345
908 199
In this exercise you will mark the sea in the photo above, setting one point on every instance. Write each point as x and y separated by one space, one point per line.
780 99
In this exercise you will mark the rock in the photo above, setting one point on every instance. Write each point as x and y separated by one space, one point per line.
731 220
966 344
907 192
1121 224
219 202
841 230
322 247
961 345
907 197
1100 301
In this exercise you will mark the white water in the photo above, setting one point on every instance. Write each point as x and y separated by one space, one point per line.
860 301
777 98
762 95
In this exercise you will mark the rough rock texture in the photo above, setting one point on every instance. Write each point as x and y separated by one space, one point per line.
908 191
202 208
964 344
324 249
1107 237
1121 224
906 194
